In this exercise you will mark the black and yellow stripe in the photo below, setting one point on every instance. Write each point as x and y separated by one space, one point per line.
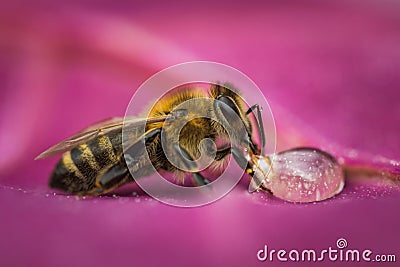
77 169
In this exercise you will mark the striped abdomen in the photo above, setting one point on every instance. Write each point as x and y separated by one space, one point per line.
77 169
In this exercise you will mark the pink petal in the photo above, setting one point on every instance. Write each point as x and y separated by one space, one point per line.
329 70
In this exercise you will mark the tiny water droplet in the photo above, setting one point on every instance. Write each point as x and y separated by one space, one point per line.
353 153
122 200
395 163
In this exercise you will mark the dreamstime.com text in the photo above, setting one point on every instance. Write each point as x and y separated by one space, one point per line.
339 253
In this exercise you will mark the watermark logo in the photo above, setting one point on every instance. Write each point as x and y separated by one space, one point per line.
340 253
197 76
341 243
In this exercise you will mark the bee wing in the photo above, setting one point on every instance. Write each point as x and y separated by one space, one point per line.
99 129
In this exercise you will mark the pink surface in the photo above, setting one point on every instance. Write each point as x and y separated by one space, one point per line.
329 71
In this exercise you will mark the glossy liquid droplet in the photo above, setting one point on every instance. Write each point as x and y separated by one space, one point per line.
301 175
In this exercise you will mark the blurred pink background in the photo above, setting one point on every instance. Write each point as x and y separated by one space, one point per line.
330 71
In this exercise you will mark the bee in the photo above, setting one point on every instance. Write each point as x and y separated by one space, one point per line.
93 161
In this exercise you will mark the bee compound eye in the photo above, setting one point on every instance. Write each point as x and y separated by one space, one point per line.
227 107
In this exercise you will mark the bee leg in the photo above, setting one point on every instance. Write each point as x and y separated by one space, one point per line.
222 153
198 178
112 178
240 158
245 164
118 174
260 122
